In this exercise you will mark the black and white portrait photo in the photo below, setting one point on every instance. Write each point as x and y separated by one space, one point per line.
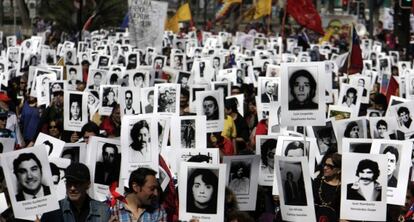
75 110
129 100
295 190
350 96
147 99
109 99
268 89
96 77
73 76
107 164
266 148
183 79
191 133
210 104
364 179
139 142
241 178
303 88
167 97
202 190
138 78
188 134
140 146
29 180
398 166
303 96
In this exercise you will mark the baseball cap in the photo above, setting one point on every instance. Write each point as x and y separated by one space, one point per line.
78 172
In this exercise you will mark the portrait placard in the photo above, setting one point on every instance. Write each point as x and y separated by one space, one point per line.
193 179
398 168
266 149
53 145
191 133
58 166
147 99
350 96
108 99
129 100
383 127
210 104
104 161
242 179
75 110
76 152
29 197
350 128
362 172
295 204
167 97
138 142
303 100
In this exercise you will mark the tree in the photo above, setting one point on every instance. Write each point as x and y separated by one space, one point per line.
109 13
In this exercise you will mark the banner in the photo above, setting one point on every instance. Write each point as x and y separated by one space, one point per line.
146 23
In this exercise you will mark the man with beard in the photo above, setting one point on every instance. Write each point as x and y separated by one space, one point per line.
28 171
107 171
142 200
366 188
141 142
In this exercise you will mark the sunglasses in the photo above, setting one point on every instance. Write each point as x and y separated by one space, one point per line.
330 166
52 127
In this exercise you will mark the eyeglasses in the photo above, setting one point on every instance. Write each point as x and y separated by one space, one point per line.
52 127
330 166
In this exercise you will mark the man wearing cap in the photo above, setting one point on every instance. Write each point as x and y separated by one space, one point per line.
78 206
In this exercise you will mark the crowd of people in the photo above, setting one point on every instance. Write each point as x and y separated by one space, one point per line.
22 118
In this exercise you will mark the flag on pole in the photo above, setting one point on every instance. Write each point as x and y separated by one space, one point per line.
183 14
354 63
88 22
248 15
263 8
304 12
226 8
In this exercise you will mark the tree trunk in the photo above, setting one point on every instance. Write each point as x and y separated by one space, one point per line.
24 14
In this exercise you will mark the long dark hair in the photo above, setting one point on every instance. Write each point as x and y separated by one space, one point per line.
209 178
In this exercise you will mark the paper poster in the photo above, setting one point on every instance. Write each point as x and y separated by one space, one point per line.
242 179
295 189
362 172
195 203
29 186
146 23
303 100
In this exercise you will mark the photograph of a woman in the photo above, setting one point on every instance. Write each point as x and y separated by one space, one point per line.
202 185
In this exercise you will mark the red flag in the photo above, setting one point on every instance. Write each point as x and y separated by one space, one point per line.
304 12
355 63
88 23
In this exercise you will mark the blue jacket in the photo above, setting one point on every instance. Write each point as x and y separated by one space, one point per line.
98 212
